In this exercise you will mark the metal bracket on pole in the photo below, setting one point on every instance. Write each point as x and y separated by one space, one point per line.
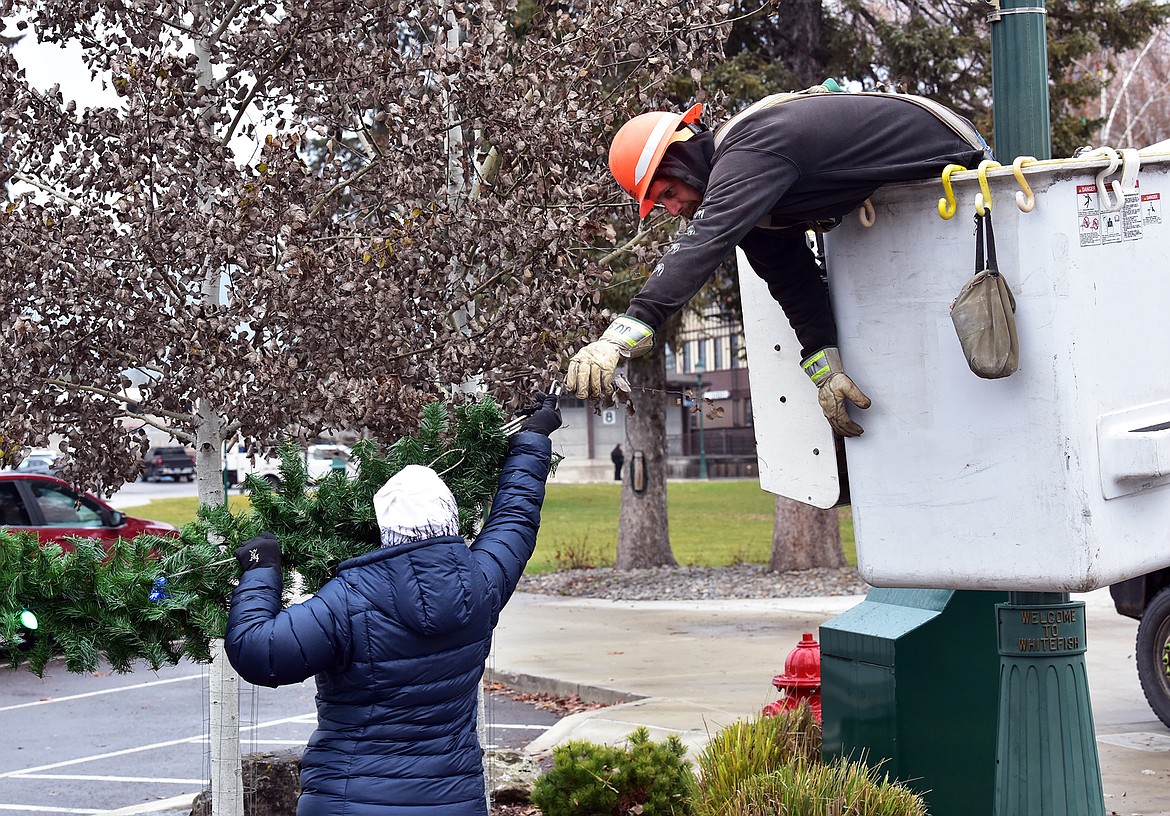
996 12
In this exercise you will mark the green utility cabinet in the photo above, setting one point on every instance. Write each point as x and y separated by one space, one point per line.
910 679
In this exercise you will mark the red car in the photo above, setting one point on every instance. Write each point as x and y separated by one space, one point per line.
52 509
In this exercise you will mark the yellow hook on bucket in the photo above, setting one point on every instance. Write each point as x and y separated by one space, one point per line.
983 200
1025 199
947 206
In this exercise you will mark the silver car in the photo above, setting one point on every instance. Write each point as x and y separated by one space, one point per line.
39 461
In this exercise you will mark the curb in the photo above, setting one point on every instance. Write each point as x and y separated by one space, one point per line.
532 684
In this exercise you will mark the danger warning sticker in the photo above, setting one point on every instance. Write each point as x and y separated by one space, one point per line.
1151 208
1098 223
1088 215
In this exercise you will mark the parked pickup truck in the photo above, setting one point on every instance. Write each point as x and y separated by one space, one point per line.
176 462
320 460
1147 598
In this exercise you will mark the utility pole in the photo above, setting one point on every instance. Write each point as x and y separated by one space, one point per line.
1046 751
699 368
1019 79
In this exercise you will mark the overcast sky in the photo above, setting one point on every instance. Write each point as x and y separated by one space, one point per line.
47 64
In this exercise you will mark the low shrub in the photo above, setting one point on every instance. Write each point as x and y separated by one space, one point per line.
645 777
750 748
579 554
838 789
764 766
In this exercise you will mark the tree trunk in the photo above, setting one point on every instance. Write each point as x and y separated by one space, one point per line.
804 537
643 533
223 697
803 25
227 790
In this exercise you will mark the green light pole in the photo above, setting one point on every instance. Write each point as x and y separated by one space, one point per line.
699 367
1046 752
1019 79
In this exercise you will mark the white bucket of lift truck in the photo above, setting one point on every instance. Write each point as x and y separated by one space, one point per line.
1053 479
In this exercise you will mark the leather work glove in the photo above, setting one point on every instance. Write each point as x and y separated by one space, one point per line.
833 388
546 418
261 551
591 370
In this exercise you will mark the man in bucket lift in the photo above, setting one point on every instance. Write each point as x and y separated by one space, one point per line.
787 164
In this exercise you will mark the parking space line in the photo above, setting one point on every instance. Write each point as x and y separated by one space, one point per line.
43 809
300 718
94 757
71 697
96 778
181 802
44 771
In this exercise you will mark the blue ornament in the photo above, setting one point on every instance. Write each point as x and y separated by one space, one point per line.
160 593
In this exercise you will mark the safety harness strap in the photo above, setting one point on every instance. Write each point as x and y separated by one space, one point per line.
945 115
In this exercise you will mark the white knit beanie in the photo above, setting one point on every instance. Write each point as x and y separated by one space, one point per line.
415 504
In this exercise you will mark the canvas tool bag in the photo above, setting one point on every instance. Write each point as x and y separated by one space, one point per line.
984 313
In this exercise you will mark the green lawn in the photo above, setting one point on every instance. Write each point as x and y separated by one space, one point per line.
713 523
180 511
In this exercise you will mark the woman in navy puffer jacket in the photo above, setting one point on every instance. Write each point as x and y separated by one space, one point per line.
397 642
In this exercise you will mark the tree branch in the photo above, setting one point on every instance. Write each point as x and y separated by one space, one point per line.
113 396
341 185
50 190
146 419
629 246
363 134
260 80
227 19
1129 75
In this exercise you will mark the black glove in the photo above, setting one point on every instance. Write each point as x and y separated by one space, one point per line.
532 407
261 551
544 417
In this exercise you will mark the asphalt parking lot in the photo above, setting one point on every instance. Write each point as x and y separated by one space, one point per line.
134 494
118 745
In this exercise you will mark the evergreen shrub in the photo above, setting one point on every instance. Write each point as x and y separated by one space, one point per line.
645 777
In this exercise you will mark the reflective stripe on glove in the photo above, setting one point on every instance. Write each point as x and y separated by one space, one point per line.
590 372
834 387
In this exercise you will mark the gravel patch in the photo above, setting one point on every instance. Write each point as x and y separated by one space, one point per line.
695 583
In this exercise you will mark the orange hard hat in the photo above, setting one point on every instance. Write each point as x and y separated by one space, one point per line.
638 147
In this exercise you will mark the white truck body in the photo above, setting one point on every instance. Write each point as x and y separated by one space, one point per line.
320 460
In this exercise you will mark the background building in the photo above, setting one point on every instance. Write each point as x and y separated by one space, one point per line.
708 363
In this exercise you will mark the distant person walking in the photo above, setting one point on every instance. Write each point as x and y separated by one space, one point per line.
617 457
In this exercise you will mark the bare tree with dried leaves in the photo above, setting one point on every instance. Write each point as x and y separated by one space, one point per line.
309 215
423 207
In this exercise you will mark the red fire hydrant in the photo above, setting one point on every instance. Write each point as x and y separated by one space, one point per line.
801 680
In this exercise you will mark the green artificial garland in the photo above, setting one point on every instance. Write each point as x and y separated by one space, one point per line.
160 599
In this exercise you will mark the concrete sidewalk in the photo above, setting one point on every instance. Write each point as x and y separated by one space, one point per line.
692 667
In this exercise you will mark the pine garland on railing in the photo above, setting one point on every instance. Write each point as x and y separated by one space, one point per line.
160 599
